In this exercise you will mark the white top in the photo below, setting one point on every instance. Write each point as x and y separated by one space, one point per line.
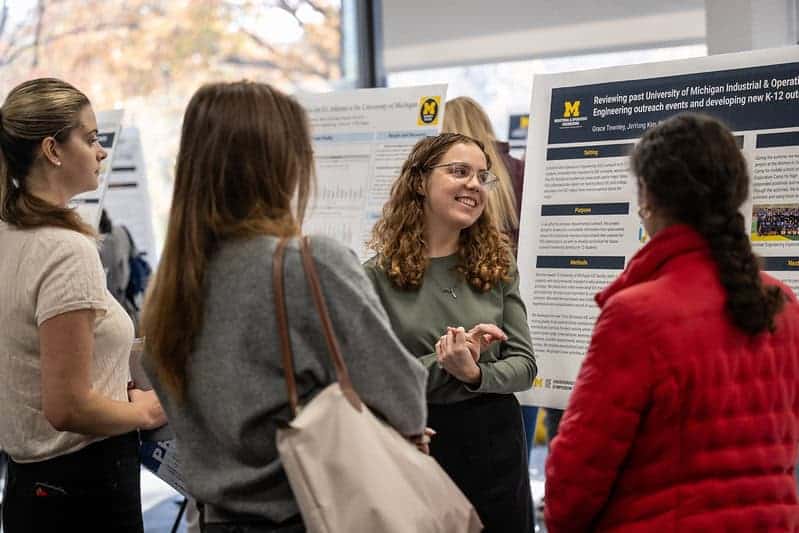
45 272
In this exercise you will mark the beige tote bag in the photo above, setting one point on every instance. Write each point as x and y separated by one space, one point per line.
349 471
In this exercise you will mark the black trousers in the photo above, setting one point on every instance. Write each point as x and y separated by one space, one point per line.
94 489
480 443
214 521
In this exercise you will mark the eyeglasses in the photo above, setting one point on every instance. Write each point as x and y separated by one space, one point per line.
464 171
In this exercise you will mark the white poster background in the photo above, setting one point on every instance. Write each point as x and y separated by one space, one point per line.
361 139
560 305
89 205
127 200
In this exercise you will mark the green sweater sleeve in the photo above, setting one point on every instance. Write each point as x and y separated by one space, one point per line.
515 367
421 315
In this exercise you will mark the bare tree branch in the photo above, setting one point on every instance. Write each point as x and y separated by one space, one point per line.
258 40
3 17
242 61
291 10
327 11
11 57
38 35
15 36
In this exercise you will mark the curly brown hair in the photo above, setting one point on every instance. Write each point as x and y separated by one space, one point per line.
484 253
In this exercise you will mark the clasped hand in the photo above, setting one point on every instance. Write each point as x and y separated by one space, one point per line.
458 350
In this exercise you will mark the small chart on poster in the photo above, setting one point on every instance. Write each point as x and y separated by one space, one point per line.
361 139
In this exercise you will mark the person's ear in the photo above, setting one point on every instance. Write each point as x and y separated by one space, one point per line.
51 151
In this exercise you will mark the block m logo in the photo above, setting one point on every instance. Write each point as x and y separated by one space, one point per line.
571 109
428 110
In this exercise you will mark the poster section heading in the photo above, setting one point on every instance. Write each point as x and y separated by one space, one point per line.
778 140
753 98
781 264
375 114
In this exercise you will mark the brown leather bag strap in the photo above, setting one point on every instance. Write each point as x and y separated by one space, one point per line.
283 324
342 373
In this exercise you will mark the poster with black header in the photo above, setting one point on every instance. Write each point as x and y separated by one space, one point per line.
361 139
579 222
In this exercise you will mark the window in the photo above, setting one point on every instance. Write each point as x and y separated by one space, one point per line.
149 56
504 89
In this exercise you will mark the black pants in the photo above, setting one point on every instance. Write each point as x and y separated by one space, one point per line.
94 489
480 443
214 522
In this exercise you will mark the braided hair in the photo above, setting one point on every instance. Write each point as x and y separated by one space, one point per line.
695 172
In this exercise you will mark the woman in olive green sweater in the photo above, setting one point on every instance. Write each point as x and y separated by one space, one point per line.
445 274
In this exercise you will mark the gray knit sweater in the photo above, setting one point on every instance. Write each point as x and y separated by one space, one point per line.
236 394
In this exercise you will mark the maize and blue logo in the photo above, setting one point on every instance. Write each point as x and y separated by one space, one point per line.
428 110
571 109
571 118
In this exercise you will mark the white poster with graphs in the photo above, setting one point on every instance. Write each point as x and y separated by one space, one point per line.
579 223
89 205
361 139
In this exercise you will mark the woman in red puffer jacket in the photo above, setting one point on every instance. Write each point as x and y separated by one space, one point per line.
685 414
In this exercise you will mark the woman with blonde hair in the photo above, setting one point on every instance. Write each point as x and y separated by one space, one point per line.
67 420
243 176
464 115
446 275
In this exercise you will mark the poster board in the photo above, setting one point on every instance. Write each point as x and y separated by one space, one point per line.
127 200
361 139
579 223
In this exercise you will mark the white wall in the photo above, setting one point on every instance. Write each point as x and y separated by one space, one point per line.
421 34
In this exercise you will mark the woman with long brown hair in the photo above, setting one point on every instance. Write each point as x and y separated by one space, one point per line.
243 177
446 275
67 420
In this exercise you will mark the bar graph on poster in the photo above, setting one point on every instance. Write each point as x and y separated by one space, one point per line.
361 139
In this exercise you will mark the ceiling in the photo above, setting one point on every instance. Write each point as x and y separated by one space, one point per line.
469 31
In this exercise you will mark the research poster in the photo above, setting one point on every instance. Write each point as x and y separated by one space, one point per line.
127 200
579 222
89 205
361 139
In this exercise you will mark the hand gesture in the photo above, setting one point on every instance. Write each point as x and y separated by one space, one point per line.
481 336
455 357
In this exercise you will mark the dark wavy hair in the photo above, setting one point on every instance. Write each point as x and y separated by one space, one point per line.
695 173
484 253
